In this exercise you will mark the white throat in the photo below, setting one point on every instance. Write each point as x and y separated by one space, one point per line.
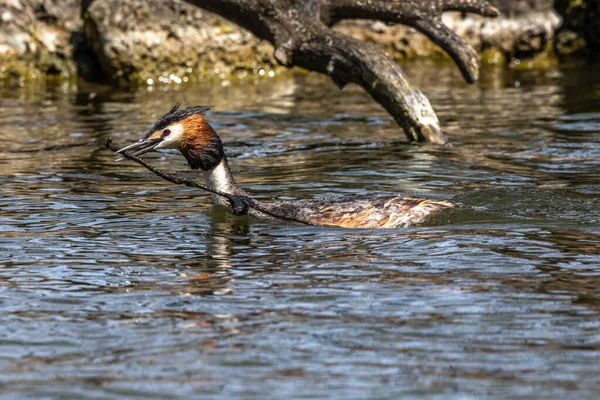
220 178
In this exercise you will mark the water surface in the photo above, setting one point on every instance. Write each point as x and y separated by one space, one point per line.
115 284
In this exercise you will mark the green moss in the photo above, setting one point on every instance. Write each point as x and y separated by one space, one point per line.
545 59
21 71
493 56
224 28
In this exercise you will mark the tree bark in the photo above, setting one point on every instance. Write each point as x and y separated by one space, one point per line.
299 30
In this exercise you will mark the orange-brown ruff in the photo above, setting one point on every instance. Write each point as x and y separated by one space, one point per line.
188 131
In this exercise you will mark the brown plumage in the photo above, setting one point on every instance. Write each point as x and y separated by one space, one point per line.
188 131
360 211
197 133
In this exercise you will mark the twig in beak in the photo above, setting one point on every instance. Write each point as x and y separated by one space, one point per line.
129 147
239 204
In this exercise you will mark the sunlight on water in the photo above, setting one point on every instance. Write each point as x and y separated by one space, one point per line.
114 284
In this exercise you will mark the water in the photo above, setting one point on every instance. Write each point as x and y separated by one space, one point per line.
115 284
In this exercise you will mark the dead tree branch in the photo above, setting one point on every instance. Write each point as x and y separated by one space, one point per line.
425 16
301 34
299 31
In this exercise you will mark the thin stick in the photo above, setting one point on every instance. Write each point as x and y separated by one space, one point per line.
239 204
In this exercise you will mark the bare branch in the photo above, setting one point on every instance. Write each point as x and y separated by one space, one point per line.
299 31
300 38
424 16
481 7
464 56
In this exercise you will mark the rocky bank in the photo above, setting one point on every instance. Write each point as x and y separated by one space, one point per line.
153 41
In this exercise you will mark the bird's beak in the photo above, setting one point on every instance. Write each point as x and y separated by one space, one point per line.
140 147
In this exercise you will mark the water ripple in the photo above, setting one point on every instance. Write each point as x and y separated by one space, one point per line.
114 284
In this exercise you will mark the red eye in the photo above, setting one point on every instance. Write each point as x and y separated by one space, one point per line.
166 132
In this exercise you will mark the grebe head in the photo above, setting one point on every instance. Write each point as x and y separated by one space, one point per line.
187 131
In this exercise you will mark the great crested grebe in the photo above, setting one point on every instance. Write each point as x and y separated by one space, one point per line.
187 131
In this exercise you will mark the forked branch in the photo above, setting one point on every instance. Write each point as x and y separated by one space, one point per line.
425 16
300 32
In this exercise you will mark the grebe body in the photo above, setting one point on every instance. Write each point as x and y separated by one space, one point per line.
188 131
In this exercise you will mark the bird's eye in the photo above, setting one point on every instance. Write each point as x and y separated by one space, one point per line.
166 132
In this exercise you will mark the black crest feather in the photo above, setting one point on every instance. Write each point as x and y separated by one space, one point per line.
174 115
